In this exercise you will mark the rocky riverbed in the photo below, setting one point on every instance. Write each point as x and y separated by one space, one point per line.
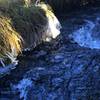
66 69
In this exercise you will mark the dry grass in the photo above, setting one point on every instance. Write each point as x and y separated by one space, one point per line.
10 40
13 26
24 25
31 23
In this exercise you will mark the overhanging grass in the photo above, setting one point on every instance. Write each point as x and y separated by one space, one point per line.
10 40
30 22
18 20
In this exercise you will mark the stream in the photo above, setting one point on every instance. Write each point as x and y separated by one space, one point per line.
68 68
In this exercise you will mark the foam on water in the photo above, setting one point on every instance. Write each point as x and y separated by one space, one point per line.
85 36
22 87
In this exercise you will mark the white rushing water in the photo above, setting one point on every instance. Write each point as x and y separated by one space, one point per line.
88 35
22 88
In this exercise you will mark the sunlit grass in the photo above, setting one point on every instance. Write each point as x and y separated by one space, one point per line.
10 40
25 25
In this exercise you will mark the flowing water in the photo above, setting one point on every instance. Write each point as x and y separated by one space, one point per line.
66 69
84 28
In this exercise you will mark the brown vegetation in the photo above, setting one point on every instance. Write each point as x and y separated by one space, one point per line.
25 25
10 40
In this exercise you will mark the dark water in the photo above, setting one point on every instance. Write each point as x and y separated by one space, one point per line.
83 27
66 69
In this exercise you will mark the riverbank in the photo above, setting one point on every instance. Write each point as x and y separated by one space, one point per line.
61 70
